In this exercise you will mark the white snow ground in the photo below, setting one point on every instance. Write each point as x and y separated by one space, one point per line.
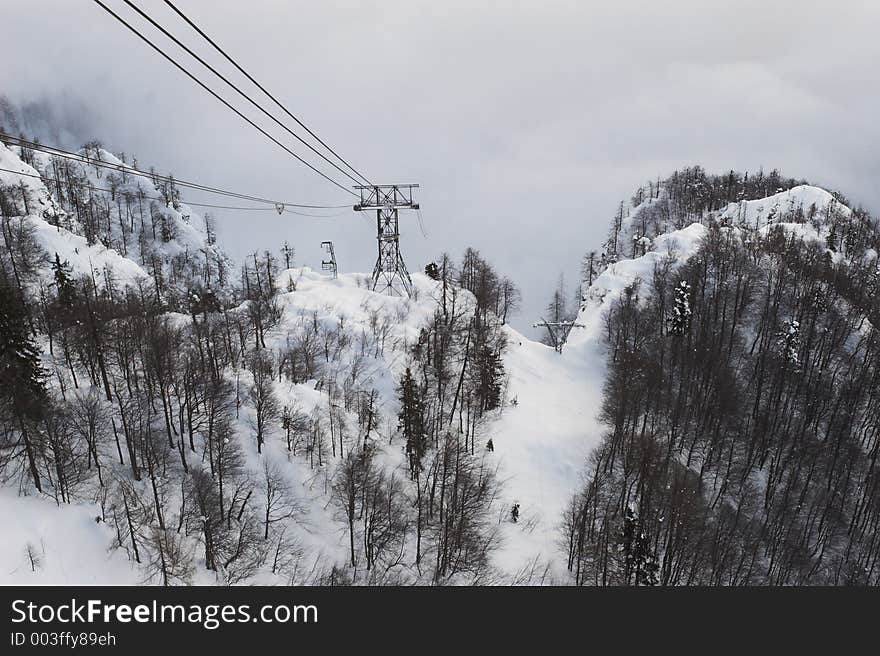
71 546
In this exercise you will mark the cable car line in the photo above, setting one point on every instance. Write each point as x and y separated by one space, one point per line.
264 90
218 97
238 90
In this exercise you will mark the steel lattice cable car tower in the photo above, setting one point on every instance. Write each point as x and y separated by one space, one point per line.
390 271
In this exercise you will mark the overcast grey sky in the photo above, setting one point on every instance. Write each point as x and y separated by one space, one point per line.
524 122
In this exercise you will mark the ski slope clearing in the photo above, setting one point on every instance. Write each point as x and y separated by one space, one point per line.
544 440
542 443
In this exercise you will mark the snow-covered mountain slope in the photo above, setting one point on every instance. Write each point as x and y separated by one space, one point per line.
83 257
365 337
334 354
107 224
62 536
805 212
539 443
722 383
547 437
370 336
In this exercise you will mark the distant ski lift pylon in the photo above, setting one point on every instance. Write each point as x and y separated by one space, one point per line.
279 207
329 265
557 337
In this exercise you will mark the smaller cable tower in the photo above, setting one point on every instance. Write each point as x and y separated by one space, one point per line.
329 265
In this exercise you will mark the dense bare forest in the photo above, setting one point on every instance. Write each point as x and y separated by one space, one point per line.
742 401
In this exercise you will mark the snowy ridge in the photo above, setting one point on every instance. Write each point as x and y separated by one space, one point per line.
806 210
10 160
58 232
678 245
83 258
190 233
775 208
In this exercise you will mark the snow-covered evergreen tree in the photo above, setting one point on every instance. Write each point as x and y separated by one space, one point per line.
640 562
789 341
411 421
23 394
680 322
65 288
